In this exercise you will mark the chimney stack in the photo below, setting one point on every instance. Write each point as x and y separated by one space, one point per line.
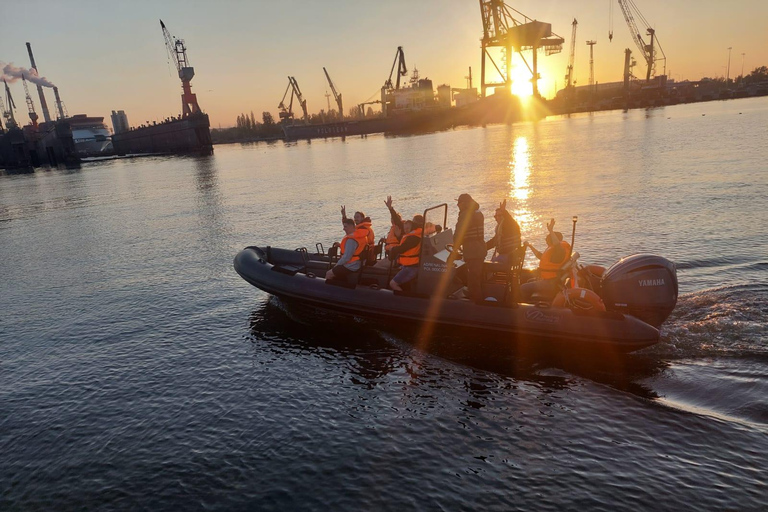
58 103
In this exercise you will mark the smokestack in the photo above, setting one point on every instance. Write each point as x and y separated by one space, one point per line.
43 104
58 103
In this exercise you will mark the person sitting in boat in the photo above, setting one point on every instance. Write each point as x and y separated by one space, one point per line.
407 253
506 239
394 235
352 246
554 256
469 236
363 224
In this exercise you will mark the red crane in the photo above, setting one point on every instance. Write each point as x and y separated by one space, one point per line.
178 53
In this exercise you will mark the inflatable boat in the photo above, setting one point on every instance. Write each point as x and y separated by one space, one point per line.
621 307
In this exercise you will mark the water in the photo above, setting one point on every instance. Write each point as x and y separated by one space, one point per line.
138 371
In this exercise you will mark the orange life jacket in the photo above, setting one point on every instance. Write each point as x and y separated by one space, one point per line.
364 229
411 256
392 240
361 243
547 268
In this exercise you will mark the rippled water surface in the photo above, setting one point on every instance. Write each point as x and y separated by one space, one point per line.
138 371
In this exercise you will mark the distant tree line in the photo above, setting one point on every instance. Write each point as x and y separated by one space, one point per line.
248 129
758 75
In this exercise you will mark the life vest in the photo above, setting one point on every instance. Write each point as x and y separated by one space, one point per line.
411 256
508 238
547 268
364 229
392 240
472 225
361 244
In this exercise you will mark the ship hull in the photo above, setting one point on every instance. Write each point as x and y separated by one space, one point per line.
188 135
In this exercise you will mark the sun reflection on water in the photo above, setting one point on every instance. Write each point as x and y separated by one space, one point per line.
519 177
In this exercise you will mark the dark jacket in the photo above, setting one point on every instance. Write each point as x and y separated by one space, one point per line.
507 237
470 233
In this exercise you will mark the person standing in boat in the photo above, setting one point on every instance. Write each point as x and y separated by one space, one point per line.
469 237
550 261
352 245
407 253
506 239
364 226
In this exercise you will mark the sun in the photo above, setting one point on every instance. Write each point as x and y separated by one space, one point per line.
521 82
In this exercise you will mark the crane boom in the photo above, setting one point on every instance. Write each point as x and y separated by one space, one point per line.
287 113
299 97
30 103
336 95
402 69
569 74
178 52
10 120
649 51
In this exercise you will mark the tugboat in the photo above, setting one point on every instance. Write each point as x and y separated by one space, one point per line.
621 307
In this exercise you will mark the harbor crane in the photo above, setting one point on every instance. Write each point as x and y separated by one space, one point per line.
10 121
361 106
336 95
569 73
649 51
178 52
502 30
287 113
402 69
30 103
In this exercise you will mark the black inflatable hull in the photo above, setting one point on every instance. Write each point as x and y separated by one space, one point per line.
524 322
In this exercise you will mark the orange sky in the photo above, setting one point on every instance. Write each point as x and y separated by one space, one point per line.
110 55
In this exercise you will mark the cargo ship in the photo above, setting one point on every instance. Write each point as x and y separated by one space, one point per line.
412 108
90 135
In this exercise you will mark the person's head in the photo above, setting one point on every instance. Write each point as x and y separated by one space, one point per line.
359 217
554 238
499 214
438 228
465 201
349 226
417 222
407 226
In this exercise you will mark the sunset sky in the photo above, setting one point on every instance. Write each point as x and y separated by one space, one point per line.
106 55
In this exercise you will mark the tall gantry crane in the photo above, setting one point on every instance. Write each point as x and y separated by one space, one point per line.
336 95
649 51
178 52
10 120
402 69
30 103
569 73
287 113
502 30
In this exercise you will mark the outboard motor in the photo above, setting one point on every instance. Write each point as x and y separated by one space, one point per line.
643 285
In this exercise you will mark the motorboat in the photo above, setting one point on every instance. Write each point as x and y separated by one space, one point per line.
622 307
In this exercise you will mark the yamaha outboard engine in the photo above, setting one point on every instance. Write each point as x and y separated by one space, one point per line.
643 285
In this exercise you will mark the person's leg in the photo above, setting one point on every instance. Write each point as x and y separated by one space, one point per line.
405 275
544 287
475 278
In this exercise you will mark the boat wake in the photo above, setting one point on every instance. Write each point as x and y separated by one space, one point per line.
724 321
